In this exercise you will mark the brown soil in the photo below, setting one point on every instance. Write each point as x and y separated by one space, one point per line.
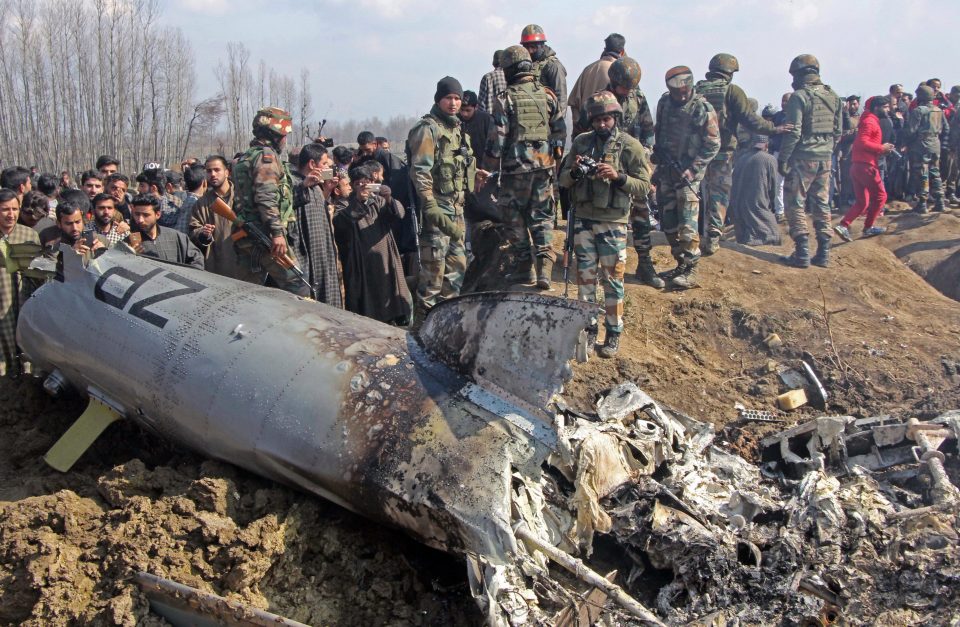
69 543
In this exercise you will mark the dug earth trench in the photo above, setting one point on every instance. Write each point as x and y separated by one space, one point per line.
881 339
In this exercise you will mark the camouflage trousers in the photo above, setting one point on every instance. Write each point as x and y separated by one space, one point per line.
925 176
640 222
527 204
443 263
716 193
679 216
807 187
949 170
604 245
255 265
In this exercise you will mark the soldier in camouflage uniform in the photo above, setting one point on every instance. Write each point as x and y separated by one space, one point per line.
687 139
529 132
637 121
815 111
546 68
602 201
733 111
264 197
442 169
925 128
952 151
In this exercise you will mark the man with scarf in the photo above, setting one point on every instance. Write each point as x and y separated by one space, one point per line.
603 197
442 169
529 133
816 113
312 236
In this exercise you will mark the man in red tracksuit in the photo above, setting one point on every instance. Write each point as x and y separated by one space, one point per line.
867 182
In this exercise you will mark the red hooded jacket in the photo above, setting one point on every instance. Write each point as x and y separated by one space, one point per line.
868 143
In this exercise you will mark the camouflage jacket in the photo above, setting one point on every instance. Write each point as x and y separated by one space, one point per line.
608 201
687 132
636 119
811 139
263 189
522 99
736 113
552 75
925 128
442 166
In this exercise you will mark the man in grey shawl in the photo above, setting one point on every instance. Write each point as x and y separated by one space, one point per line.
312 233
753 195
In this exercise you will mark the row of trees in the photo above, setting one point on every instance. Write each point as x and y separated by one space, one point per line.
79 78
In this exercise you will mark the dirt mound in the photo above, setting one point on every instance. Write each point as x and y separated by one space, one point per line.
69 544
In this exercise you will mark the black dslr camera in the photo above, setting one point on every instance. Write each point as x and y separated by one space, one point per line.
586 167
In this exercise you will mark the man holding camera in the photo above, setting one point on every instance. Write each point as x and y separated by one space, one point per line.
528 136
442 169
264 197
687 140
606 170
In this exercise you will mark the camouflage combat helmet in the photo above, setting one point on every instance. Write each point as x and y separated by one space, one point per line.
532 33
805 64
625 72
272 119
955 90
513 55
723 62
603 103
924 93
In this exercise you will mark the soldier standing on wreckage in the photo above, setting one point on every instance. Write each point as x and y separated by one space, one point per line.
732 109
442 168
528 136
815 111
546 67
687 139
264 197
926 127
603 199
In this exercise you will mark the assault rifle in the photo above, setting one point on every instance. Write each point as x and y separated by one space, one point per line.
664 159
568 249
245 229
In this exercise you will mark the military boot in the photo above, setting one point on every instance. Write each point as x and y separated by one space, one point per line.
611 344
921 206
822 258
801 254
522 273
710 244
939 206
592 331
647 274
544 271
686 278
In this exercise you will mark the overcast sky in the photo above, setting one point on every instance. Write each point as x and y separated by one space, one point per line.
384 57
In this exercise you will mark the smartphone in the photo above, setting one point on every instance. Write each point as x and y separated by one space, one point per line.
326 175
89 238
373 188
134 239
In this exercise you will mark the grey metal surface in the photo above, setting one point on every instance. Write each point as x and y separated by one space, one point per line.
338 405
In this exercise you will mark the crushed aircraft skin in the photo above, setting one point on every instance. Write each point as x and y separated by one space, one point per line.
459 436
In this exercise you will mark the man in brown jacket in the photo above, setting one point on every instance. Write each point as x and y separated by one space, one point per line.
208 231
595 77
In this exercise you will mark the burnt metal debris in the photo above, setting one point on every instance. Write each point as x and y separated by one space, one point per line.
460 437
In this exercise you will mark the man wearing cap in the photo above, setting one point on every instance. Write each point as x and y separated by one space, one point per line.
602 199
546 66
733 111
264 196
595 76
442 168
529 136
815 111
492 83
687 140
